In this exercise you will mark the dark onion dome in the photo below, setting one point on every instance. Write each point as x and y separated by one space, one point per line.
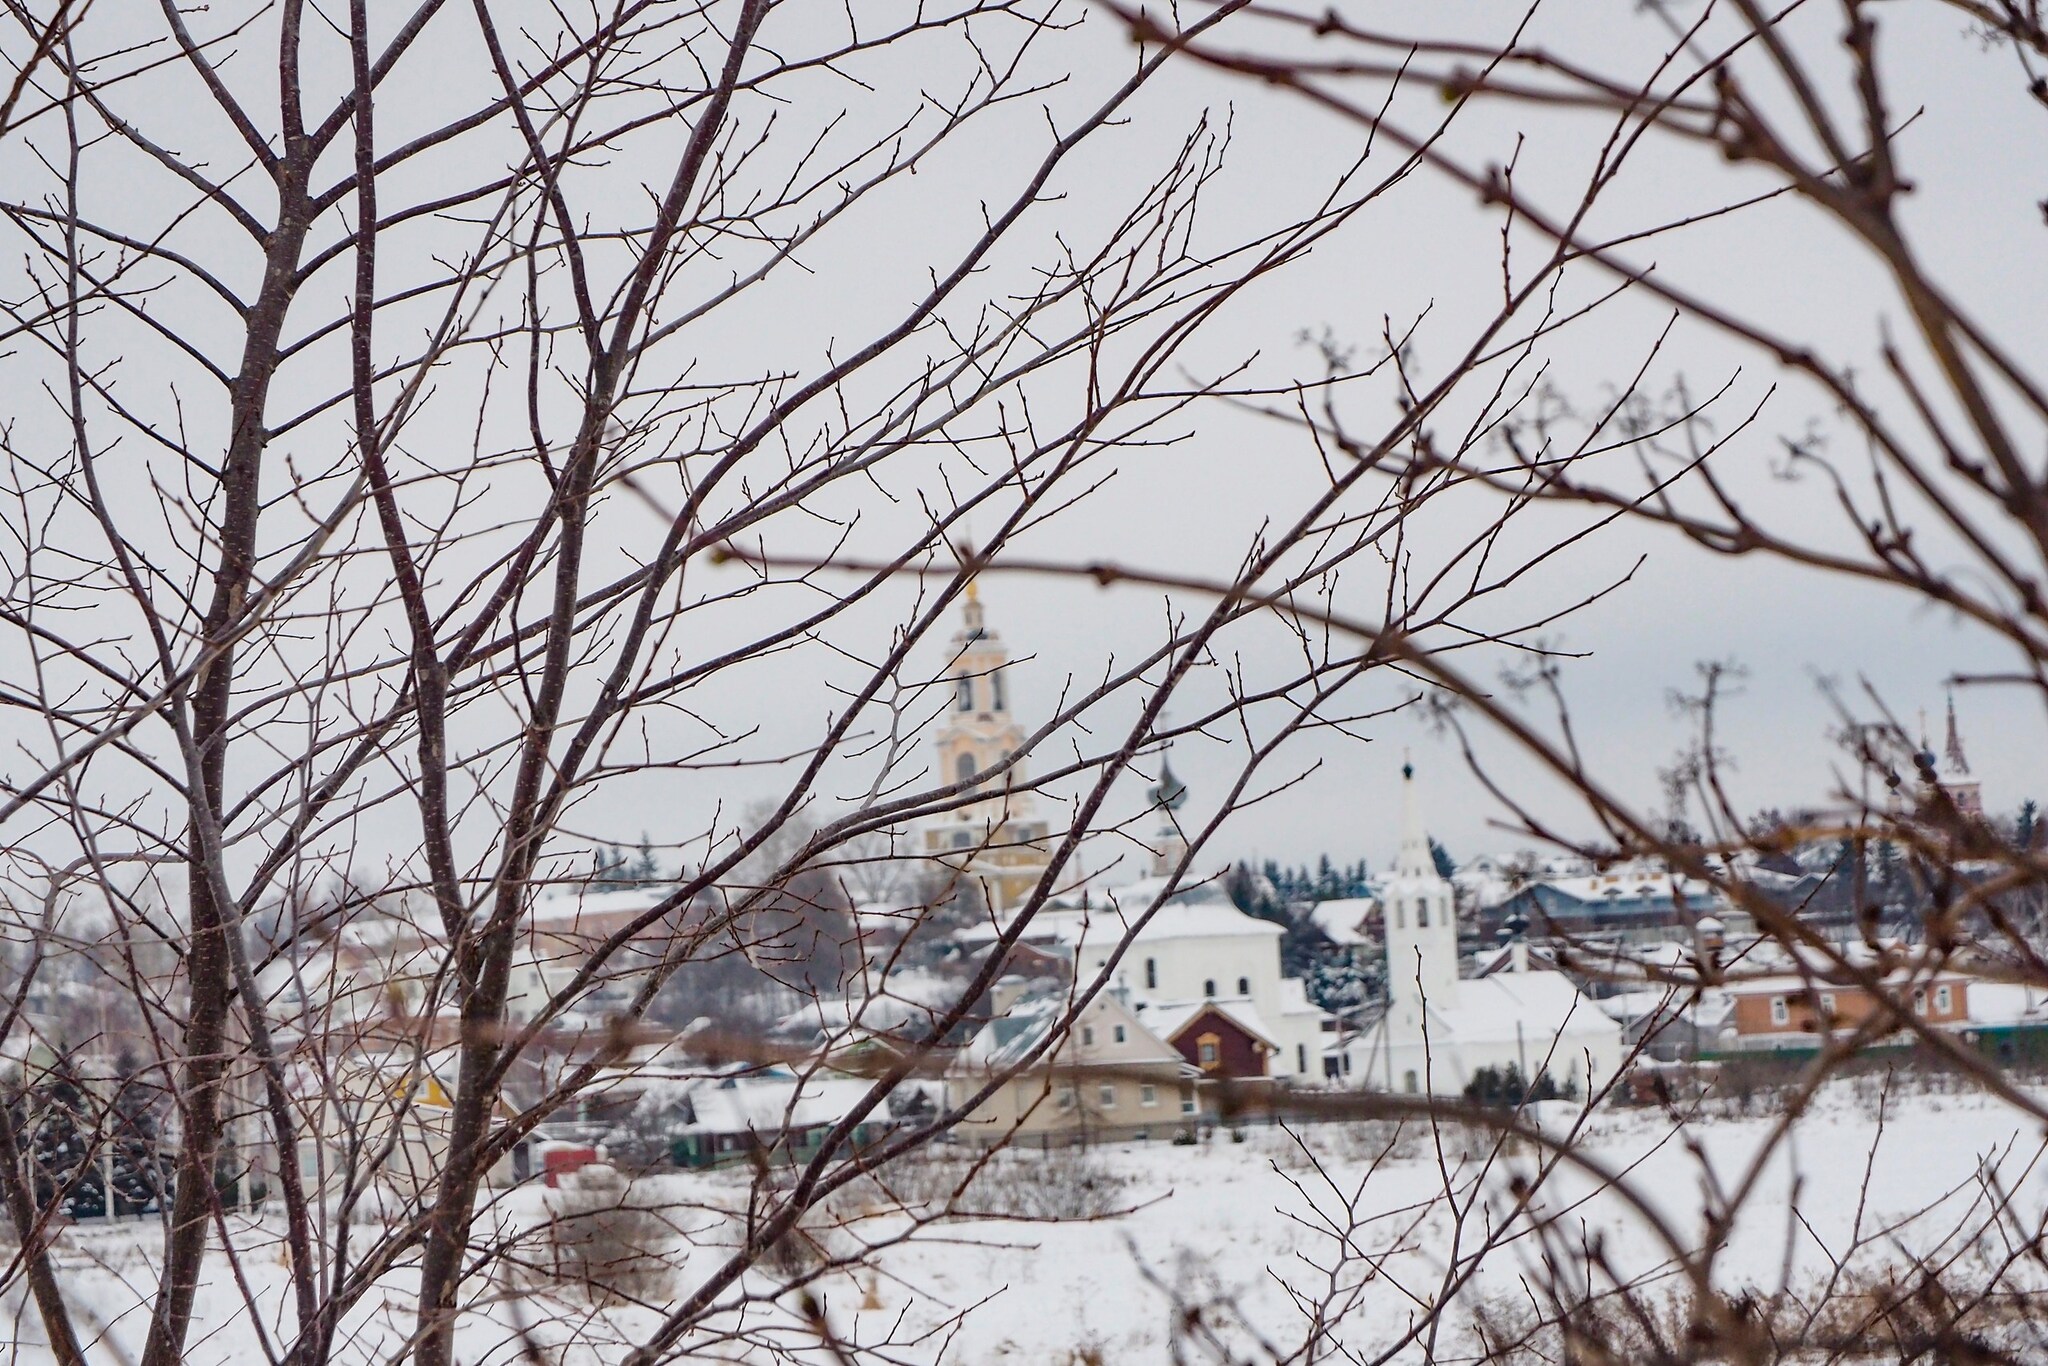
1169 792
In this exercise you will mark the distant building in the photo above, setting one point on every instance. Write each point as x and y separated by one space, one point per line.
1347 922
997 840
1640 902
1813 999
1223 1040
1439 1032
1194 947
1107 1079
1952 774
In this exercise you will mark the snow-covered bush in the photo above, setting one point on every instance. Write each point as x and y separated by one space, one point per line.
605 1238
1060 1183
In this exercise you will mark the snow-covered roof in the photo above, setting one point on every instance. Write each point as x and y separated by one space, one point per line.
1204 919
1134 897
901 1002
1343 918
571 907
1168 1019
1708 1012
2004 1004
1632 882
1792 983
1011 1036
1532 1008
771 1100
1484 882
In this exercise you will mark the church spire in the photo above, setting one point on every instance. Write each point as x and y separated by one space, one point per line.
1418 916
1412 859
1958 766
971 610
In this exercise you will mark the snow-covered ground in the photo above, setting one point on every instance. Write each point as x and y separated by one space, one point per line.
1247 1233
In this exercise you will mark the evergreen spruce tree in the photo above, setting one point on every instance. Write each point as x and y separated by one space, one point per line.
1327 886
1336 984
645 871
139 1169
60 1148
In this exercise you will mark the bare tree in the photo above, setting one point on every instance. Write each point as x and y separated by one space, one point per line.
436 447
1917 432
423 437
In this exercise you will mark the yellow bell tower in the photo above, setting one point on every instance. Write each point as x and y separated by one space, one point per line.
995 839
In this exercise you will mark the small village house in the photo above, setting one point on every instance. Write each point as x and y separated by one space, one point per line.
1109 1079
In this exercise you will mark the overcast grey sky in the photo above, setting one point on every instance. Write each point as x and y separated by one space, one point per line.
1430 247
1192 507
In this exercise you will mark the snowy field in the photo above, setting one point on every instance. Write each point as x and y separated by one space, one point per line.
1244 1235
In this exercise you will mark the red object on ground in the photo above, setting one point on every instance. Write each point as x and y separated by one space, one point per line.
556 1163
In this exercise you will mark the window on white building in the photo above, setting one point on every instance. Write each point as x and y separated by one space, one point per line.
1118 1033
1244 986
1087 1036
1151 974
1148 1094
1066 1097
1105 1095
1408 1082
1422 915
1301 1057
1209 987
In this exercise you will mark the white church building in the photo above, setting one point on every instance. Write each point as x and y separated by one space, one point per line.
1439 1030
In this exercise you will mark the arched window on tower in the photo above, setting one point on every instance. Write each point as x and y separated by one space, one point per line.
1422 913
999 697
964 767
1400 916
963 692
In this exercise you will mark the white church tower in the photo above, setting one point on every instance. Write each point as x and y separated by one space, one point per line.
1530 1021
1421 924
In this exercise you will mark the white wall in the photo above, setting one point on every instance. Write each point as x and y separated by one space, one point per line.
1185 965
1445 1067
